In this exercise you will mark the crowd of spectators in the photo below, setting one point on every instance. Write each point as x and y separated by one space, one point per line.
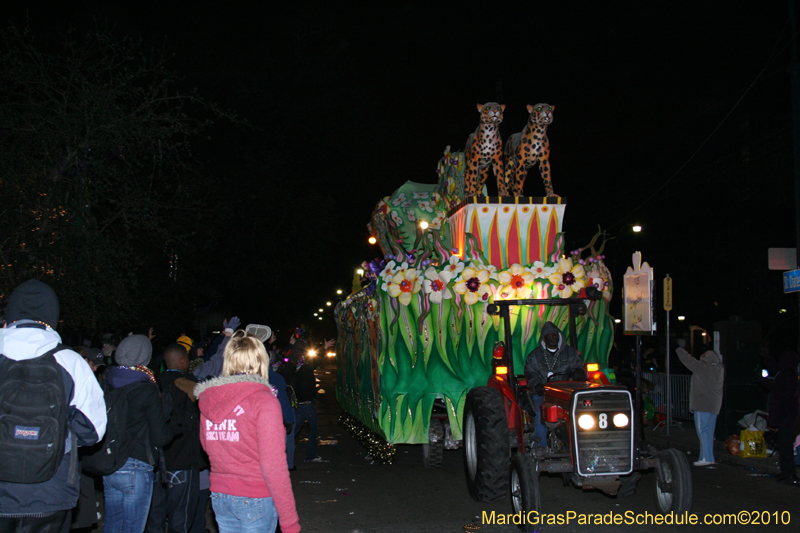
211 427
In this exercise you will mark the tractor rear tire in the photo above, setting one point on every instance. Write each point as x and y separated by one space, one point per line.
627 487
432 452
487 453
526 496
678 498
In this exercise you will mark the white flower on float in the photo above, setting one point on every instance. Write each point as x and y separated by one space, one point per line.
454 266
399 199
435 285
540 271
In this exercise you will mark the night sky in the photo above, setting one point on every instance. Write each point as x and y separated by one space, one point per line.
673 115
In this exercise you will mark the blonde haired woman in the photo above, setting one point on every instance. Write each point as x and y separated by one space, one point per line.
241 429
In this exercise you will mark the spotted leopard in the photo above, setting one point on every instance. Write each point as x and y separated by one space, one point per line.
484 149
527 148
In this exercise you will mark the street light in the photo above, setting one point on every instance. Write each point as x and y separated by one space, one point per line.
327 303
320 310
338 291
372 240
636 228
360 271
681 318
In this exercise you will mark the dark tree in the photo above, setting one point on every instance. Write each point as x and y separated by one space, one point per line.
98 183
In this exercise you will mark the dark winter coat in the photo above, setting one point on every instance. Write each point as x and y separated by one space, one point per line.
783 389
144 408
541 361
184 452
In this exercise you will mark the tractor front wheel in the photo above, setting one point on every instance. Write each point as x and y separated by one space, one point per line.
486 445
525 493
674 493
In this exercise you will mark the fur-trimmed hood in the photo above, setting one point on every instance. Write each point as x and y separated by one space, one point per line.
219 396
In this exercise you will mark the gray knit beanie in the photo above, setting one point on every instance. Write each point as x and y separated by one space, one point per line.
134 350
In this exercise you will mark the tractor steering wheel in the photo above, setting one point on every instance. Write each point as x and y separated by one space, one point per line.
560 376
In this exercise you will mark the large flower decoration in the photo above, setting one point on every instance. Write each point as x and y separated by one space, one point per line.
473 284
425 205
397 220
399 199
540 271
420 195
567 279
598 278
435 285
454 266
388 272
404 284
516 283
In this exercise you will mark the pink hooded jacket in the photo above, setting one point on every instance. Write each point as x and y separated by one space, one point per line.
241 429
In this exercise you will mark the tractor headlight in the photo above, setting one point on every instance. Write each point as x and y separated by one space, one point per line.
586 421
620 420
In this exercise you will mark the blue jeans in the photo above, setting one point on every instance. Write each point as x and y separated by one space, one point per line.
307 411
704 424
237 514
290 448
539 429
128 492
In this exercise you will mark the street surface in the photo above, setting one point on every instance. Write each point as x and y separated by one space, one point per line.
350 492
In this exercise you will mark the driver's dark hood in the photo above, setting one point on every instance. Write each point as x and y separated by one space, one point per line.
547 329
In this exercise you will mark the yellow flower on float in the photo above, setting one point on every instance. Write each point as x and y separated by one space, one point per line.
473 285
516 283
567 279
404 284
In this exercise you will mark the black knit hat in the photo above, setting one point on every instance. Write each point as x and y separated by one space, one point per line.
33 300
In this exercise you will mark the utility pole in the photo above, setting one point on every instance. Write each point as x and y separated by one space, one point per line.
794 70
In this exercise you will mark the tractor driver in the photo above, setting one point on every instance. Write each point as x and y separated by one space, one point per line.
553 357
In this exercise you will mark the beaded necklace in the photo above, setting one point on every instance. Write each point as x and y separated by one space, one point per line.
550 366
141 368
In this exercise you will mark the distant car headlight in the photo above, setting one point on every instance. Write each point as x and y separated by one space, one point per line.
621 420
331 354
586 421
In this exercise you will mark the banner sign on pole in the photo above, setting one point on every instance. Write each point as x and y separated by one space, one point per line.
668 293
638 301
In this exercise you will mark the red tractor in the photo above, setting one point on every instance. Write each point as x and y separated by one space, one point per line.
591 436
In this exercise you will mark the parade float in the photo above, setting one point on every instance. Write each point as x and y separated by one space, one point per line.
417 337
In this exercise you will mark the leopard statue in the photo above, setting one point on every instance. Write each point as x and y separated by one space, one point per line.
484 149
527 148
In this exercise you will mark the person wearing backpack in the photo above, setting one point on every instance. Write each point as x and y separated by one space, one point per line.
128 490
176 504
40 377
